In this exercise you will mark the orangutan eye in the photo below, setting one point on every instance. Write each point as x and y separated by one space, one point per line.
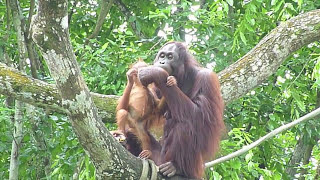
170 56
162 55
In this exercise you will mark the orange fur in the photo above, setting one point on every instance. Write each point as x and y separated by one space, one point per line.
138 110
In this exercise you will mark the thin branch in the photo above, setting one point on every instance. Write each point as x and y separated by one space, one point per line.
264 138
105 8
156 44
73 6
8 21
29 43
31 10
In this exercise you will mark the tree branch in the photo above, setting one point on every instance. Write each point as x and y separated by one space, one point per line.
73 7
264 138
105 8
31 10
39 93
265 58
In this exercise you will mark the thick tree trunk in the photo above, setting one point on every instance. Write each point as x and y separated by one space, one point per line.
50 32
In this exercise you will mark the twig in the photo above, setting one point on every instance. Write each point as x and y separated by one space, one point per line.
105 8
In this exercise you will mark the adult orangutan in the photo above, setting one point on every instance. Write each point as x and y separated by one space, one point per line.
194 117
138 110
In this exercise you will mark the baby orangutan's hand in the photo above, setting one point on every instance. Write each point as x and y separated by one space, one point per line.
171 81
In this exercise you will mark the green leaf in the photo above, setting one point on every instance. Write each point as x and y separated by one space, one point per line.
157 14
291 9
129 33
276 9
234 175
253 8
225 6
132 18
277 176
138 26
112 42
236 164
300 103
297 114
55 171
216 175
243 38
267 172
252 21
250 166
105 45
249 156
300 3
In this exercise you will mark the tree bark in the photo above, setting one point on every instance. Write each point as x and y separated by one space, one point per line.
18 23
16 143
39 93
43 166
50 33
301 154
266 57
9 102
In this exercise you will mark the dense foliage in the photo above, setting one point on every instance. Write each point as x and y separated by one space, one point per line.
218 32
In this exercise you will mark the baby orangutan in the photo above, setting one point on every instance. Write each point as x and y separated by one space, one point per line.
139 109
